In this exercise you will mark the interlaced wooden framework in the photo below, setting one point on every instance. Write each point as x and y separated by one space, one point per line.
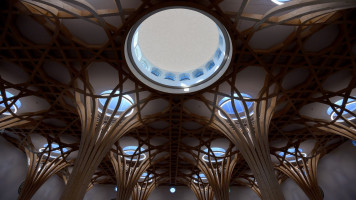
53 69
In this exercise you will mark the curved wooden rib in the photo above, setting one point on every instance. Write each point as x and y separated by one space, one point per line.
99 133
143 189
218 173
201 190
303 171
128 171
250 134
251 183
40 168
304 7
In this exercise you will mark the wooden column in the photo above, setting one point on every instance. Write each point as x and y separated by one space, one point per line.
129 168
203 191
142 190
250 135
100 131
303 171
217 170
250 181
41 167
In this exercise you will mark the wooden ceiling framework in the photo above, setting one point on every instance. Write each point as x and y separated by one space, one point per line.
180 119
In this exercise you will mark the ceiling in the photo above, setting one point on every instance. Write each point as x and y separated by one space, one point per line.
49 49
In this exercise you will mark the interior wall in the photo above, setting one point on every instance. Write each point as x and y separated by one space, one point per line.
162 193
336 173
12 170
240 193
106 192
13 167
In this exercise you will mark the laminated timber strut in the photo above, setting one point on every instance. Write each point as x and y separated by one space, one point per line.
129 168
75 102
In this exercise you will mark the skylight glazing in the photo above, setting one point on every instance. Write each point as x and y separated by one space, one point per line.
53 153
201 176
126 102
226 104
350 105
14 107
280 2
184 78
290 156
214 152
133 153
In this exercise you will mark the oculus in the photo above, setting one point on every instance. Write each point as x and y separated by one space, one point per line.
178 49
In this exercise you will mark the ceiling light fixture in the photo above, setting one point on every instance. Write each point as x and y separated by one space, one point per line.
178 49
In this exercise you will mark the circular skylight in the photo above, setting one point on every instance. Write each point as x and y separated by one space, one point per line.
215 152
280 2
178 49
132 153
53 153
290 156
350 105
14 107
126 102
226 104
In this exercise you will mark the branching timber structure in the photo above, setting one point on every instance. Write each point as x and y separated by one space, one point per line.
51 68
216 168
129 168
302 168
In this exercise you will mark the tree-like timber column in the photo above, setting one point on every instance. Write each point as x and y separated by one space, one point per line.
129 167
144 188
302 169
249 181
41 166
248 130
200 188
100 130
217 170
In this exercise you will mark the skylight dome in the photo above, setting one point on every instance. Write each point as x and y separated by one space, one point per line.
178 49
215 152
14 107
54 153
350 105
132 153
126 102
290 156
226 104
280 2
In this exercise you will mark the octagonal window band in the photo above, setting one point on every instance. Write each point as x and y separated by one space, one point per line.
178 49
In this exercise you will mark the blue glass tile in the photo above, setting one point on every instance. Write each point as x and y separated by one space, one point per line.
210 65
156 72
170 76
184 77
197 73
